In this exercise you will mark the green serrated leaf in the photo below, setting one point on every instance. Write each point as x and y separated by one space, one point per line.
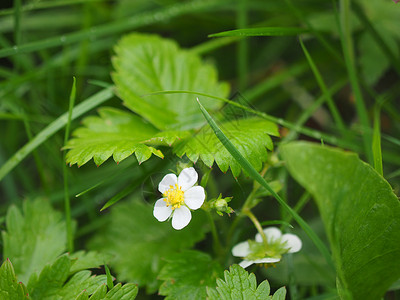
33 238
148 63
99 293
251 136
82 260
280 294
82 296
114 133
10 288
139 243
125 292
50 280
239 284
360 212
83 280
187 275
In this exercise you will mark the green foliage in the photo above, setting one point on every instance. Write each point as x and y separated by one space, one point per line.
139 243
186 275
10 288
82 260
33 237
251 136
360 212
147 63
118 292
52 282
239 284
34 240
115 133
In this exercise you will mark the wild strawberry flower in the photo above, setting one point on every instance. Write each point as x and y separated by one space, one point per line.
257 252
180 195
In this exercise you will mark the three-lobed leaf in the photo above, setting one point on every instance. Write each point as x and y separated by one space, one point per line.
360 212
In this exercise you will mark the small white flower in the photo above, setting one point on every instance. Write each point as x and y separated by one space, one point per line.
278 244
179 196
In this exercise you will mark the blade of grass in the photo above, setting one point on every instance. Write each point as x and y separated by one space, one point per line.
113 27
53 127
306 114
67 203
300 15
45 4
376 141
17 22
348 52
394 61
257 177
242 51
262 31
331 104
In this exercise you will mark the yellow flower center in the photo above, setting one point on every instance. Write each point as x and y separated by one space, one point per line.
174 196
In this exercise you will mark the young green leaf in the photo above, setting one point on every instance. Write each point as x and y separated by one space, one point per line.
148 63
186 275
239 284
115 133
139 243
33 238
360 212
251 136
10 288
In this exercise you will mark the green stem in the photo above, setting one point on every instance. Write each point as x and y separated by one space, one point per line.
244 208
217 247
70 241
257 225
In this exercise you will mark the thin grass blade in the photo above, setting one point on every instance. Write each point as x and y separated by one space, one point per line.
262 31
67 202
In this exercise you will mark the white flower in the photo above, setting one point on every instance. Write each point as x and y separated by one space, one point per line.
278 244
179 196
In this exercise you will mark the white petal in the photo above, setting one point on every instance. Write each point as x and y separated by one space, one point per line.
292 241
245 263
187 178
241 250
161 211
267 260
194 197
181 217
271 233
166 182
